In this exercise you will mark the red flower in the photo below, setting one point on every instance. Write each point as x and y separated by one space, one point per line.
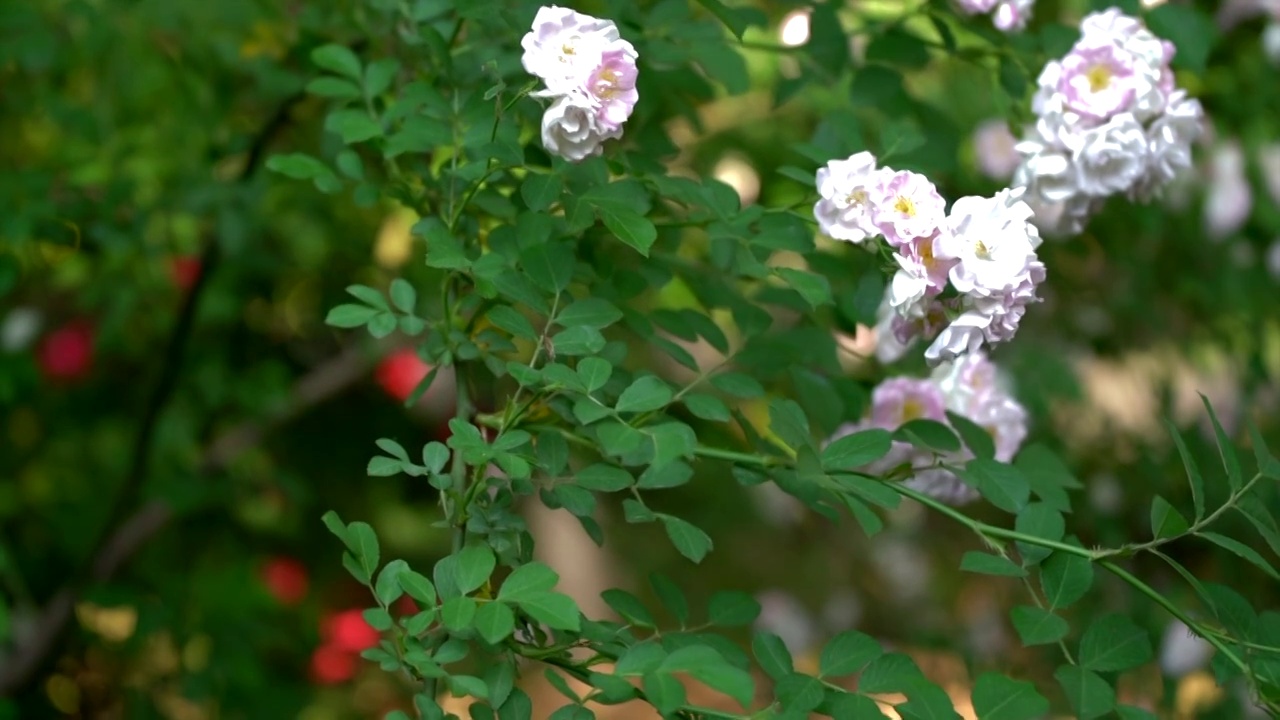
286 580
66 353
400 372
348 631
184 270
331 665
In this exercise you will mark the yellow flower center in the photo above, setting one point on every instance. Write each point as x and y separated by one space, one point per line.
609 80
857 197
912 409
981 250
1099 77
905 205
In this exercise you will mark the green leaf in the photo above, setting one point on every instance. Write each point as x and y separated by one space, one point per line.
475 565
1268 465
334 88
798 693
647 393
1048 477
1090 696
388 588
706 407
1065 578
618 439
594 372
668 475
377 618
1037 626
1241 550
730 608
1166 521
1113 643
554 609
738 385
692 542
364 545
723 677
353 126
418 587
549 265
641 658
787 420
379 75
1002 485
736 19
671 596
814 288
337 527
929 435
592 312
527 581
628 607
978 440
671 441
458 613
298 166
338 59
1039 520
1230 462
1195 480
630 227
988 564
604 478
847 653
772 654
996 697
854 451
581 340
664 692
350 316
403 296
1190 30
541 191
1129 712
890 673
899 48
513 321
468 685
494 621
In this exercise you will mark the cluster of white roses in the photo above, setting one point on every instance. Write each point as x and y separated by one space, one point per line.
971 388
985 248
590 76
1006 15
1110 121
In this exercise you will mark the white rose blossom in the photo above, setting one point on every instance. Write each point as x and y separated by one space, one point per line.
1110 121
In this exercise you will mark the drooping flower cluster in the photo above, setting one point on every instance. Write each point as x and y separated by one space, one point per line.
1110 122
964 278
590 77
1006 15
972 388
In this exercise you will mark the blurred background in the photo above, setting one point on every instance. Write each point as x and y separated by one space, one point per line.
175 417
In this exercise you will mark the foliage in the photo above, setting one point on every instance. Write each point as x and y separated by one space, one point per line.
616 329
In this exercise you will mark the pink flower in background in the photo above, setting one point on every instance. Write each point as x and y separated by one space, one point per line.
848 190
332 665
347 630
286 580
900 400
1006 15
1097 79
1229 199
66 354
563 47
184 271
400 372
995 148
908 207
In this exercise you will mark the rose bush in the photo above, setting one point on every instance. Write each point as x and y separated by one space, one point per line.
642 265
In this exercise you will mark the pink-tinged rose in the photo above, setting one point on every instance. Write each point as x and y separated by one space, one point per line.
996 149
908 207
1098 79
613 86
66 354
899 400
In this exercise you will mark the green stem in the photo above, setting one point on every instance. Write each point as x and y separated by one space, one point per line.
1198 525
1175 611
